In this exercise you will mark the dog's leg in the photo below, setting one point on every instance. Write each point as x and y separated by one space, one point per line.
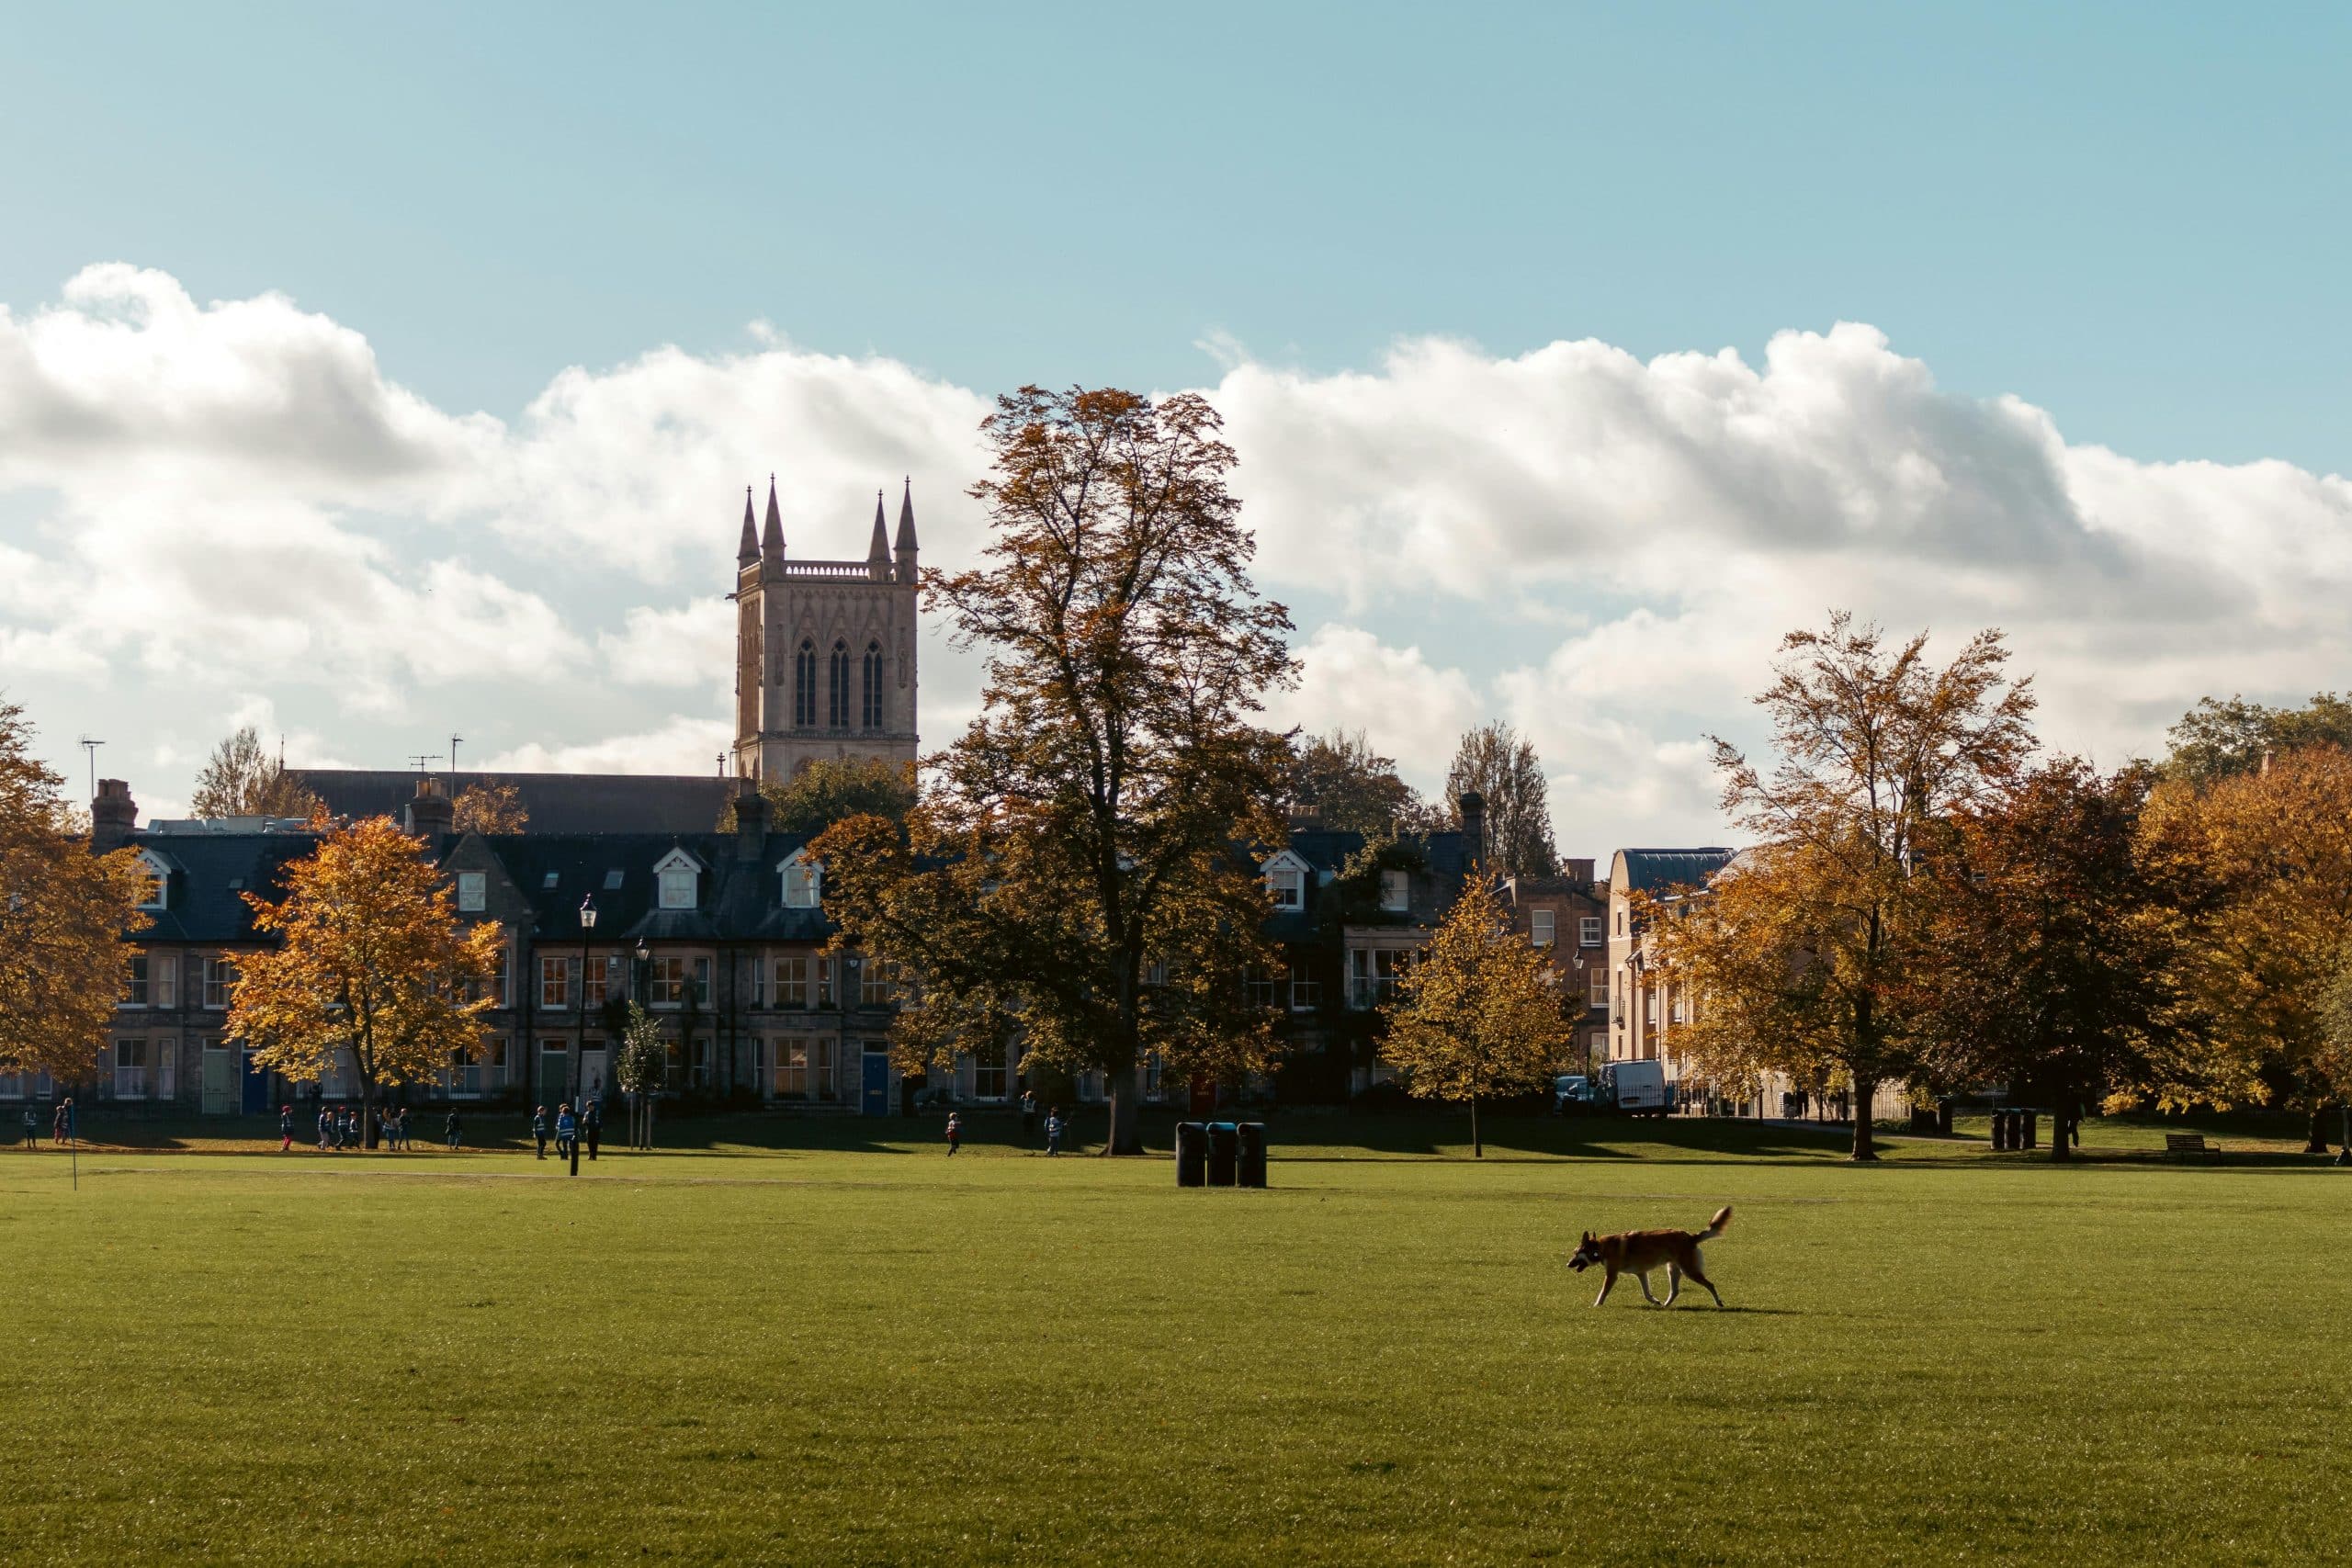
1702 1279
1607 1284
1673 1283
1644 1276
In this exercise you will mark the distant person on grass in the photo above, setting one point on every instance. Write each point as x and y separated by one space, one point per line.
60 1126
453 1128
33 1127
326 1128
567 1130
1055 1127
285 1128
540 1130
954 1133
591 1123
1028 1117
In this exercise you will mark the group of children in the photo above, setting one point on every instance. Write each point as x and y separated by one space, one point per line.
340 1128
569 1129
1056 1126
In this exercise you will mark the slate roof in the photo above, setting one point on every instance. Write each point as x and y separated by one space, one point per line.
208 873
737 899
1647 869
557 802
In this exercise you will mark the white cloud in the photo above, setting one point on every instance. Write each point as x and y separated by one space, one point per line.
684 745
211 498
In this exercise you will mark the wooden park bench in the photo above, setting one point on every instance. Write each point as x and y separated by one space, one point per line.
2189 1144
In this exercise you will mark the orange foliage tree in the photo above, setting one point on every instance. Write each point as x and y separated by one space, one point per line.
371 961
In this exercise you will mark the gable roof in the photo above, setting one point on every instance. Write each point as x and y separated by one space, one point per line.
208 874
556 803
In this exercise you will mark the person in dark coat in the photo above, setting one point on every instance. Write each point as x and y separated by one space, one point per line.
285 1128
1055 1127
591 1125
540 1130
326 1129
453 1128
567 1130
60 1126
32 1127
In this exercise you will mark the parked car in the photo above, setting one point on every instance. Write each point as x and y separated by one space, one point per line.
1572 1095
1634 1088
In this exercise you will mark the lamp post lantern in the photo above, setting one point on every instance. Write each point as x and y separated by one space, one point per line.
579 1047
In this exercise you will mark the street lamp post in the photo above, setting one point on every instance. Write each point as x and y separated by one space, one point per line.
579 1047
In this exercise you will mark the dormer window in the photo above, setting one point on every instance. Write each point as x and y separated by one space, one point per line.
675 875
155 880
1395 891
473 892
804 882
1285 877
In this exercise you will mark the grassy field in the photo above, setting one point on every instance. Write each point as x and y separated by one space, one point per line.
857 1352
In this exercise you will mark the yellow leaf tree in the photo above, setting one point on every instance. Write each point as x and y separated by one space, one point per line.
2262 862
1481 1012
370 961
64 913
490 807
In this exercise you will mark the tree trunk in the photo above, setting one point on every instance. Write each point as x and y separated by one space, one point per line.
2317 1144
366 1114
2062 1121
1865 1092
1477 1148
1124 1137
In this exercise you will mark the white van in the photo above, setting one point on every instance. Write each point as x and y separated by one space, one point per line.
1634 1088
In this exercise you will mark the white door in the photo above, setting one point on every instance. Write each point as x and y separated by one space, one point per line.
592 1074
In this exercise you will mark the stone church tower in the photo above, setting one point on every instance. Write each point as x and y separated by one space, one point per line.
824 649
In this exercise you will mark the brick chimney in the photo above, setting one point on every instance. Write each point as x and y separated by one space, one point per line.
751 820
1473 806
114 816
432 813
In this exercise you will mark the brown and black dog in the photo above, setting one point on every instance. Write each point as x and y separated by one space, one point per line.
1638 1252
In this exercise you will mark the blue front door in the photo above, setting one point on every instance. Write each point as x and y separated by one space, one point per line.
875 1100
255 1098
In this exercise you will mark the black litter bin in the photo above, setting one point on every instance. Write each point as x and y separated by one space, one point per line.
1225 1148
2031 1140
1254 1154
1192 1155
2000 1131
1943 1117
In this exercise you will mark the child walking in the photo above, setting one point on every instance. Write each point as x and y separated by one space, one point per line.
1055 1126
455 1131
540 1130
954 1133
285 1128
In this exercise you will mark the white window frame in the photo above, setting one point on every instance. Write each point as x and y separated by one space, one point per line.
802 883
677 881
131 1061
219 979
156 892
1306 990
1588 932
1597 991
555 983
1287 875
1395 891
1539 926
473 892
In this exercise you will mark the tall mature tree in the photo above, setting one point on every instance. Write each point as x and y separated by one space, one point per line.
1807 954
1090 834
1500 764
241 779
64 913
2264 861
1354 789
2216 738
832 790
370 961
2051 962
490 807
1481 1013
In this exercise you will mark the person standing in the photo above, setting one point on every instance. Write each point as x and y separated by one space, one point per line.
61 1127
567 1130
285 1128
540 1130
326 1127
1054 1127
1028 1117
591 1123
453 1128
33 1127
954 1133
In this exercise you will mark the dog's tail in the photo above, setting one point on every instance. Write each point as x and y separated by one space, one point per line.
1715 1226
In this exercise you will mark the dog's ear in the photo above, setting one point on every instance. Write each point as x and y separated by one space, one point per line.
1588 1236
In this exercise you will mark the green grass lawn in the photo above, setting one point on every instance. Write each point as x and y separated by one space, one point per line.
857 1352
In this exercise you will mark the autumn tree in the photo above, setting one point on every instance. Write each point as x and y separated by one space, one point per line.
1497 763
63 915
2052 961
1806 955
2218 739
1481 1012
241 779
490 807
370 963
1351 788
834 789
2264 863
1090 835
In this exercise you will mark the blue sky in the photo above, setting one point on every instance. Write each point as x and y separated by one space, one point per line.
2133 219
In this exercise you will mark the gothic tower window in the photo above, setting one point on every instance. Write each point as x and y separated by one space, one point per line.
837 693
803 685
870 716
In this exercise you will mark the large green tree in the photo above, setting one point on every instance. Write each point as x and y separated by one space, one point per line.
1481 1013
1500 764
63 915
1351 788
1081 877
2218 739
1807 954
